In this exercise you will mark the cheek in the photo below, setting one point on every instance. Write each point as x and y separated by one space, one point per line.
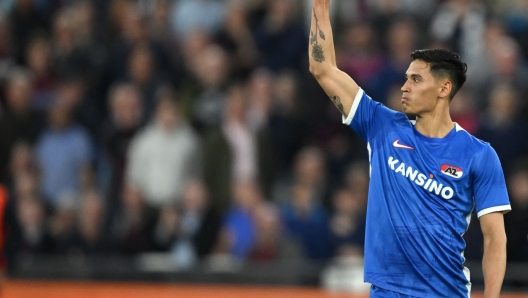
425 95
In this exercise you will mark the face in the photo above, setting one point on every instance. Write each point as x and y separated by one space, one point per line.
195 196
167 114
421 90
141 65
19 93
126 108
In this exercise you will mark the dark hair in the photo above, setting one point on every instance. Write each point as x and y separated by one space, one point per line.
444 64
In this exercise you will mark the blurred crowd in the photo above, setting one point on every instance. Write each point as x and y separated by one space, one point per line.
193 127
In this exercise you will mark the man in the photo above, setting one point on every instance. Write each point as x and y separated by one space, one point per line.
427 176
164 155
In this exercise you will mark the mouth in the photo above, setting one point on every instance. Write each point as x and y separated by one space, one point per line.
404 100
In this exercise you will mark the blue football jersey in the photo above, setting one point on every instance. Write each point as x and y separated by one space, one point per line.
421 196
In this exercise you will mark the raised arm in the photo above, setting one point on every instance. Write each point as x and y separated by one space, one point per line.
338 85
494 259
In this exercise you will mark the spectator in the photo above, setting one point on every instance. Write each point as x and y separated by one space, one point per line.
516 19
236 38
198 226
502 127
394 97
236 152
72 92
260 98
401 41
199 222
164 155
133 34
357 179
464 112
191 15
28 232
508 64
63 222
84 19
19 122
64 154
503 62
309 169
279 37
70 59
359 54
166 229
461 26
271 243
89 237
159 22
210 67
516 223
133 224
117 132
239 231
347 223
142 73
23 171
287 123
384 12
25 19
97 55
306 221
44 79
34 237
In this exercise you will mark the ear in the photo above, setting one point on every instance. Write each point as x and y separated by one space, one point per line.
445 89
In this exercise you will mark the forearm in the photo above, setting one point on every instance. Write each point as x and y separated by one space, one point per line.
321 45
494 266
339 86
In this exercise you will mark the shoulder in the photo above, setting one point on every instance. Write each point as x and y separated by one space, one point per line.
367 109
144 135
146 132
477 145
79 133
189 133
215 137
481 152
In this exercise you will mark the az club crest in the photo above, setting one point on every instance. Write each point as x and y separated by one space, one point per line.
451 171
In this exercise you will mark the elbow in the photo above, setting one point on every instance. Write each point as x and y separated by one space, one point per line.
317 71
498 240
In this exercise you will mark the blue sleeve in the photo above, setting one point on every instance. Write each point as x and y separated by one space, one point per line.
367 116
489 187
84 150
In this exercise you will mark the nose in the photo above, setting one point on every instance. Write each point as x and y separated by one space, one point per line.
405 87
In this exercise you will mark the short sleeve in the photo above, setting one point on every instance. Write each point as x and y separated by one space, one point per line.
367 116
84 149
489 187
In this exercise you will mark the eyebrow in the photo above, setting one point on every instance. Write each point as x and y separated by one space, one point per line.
413 76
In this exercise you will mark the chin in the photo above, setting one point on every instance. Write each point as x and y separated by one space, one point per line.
409 113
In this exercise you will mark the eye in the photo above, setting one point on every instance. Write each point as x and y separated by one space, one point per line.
416 80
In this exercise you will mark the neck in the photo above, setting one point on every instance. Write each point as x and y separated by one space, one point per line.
435 125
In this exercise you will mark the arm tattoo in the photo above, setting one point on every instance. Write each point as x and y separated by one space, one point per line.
317 49
337 102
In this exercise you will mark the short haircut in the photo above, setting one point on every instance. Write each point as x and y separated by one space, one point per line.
444 64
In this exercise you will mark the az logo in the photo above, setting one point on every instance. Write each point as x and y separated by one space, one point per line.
451 171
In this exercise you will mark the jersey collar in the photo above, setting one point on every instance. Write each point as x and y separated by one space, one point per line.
447 138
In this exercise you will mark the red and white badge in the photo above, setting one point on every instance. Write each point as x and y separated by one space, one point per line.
451 171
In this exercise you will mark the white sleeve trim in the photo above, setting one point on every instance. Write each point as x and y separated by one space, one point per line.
354 108
503 208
